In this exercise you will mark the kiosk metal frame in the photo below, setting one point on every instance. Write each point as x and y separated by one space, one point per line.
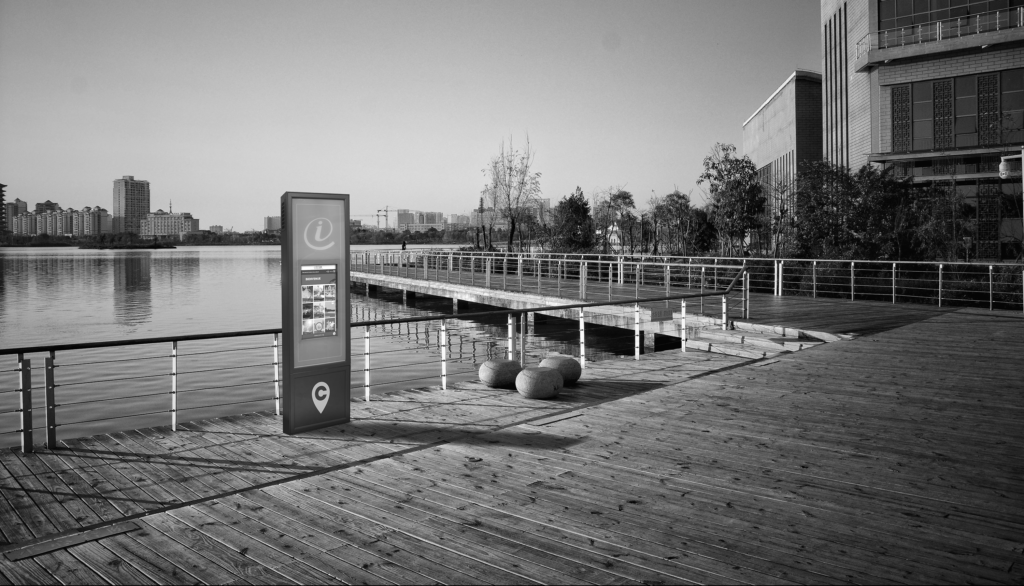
316 373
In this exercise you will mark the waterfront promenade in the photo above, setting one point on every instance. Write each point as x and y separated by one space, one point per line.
894 456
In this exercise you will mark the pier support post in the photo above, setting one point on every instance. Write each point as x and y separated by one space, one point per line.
682 324
510 343
277 374
25 403
637 345
443 335
51 405
522 338
583 341
174 386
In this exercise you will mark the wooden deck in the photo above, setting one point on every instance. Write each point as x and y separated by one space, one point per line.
893 457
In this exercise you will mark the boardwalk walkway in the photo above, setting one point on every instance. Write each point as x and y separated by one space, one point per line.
896 456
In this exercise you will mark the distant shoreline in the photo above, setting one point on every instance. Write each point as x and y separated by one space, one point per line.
117 246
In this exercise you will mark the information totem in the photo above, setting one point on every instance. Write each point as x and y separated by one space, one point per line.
314 310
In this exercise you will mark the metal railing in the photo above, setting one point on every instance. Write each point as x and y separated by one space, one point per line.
447 329
590 276
949 28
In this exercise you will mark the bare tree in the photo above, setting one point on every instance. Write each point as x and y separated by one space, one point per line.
512 185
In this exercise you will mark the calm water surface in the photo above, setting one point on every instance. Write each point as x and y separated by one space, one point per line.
64 295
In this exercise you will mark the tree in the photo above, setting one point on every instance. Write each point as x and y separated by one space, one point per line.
867 215
573 227
734 193
512 185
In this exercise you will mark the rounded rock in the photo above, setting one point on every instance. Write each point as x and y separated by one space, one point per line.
539 382
499 372
567 366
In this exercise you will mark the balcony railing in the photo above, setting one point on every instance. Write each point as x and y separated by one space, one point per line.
941 30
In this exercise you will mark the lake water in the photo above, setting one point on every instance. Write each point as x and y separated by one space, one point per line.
63 295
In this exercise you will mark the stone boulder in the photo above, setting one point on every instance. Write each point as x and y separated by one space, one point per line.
538 382
499 373
567 366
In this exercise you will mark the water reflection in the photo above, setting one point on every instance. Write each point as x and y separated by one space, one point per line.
133 303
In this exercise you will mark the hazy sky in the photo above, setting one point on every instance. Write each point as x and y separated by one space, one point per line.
223 106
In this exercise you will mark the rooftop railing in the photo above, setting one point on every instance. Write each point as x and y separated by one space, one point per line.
940 30
156 384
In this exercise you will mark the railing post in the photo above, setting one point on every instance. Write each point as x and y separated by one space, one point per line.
538 274
782 275
174 386
725 312
636 331
520 272
682 324
990 305
510 340
894 283
746 295
583 342
523 320
277 374
611 276
583 280
366 363
775 278
814 279
558 277
25 404
51 405
668 278
444 355
702 289
940 285
852 279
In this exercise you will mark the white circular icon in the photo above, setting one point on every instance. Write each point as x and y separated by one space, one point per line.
318 225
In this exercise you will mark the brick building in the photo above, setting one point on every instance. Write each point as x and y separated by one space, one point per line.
783 133
935 90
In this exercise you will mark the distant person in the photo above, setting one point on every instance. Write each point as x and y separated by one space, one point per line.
403 245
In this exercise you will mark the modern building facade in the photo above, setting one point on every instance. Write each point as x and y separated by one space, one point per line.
784 133
131 204
933 89
272 223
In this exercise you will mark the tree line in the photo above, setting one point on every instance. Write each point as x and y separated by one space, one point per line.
826 211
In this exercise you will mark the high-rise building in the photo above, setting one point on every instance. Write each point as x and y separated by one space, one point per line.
131 204
933 89
217 229
272 224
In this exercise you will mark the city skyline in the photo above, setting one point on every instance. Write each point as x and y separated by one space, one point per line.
225 106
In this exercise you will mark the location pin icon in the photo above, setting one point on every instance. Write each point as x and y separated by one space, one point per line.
321 393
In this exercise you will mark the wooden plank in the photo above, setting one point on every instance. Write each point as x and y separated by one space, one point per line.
394 563
279 527
68 569
27 572
155 567
108 565
66 541
649 528
235 536
216 553
29 514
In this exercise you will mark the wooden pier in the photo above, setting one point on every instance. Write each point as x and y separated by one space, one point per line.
896 456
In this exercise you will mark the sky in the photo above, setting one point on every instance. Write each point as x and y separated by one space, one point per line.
223 106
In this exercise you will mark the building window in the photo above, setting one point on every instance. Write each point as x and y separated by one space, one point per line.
922 113
893 14
1012 106
962 112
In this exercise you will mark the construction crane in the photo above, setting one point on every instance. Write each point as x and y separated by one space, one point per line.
385 214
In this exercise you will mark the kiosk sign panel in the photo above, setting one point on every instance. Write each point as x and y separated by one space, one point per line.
315 317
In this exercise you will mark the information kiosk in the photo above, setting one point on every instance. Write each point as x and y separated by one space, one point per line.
314 310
